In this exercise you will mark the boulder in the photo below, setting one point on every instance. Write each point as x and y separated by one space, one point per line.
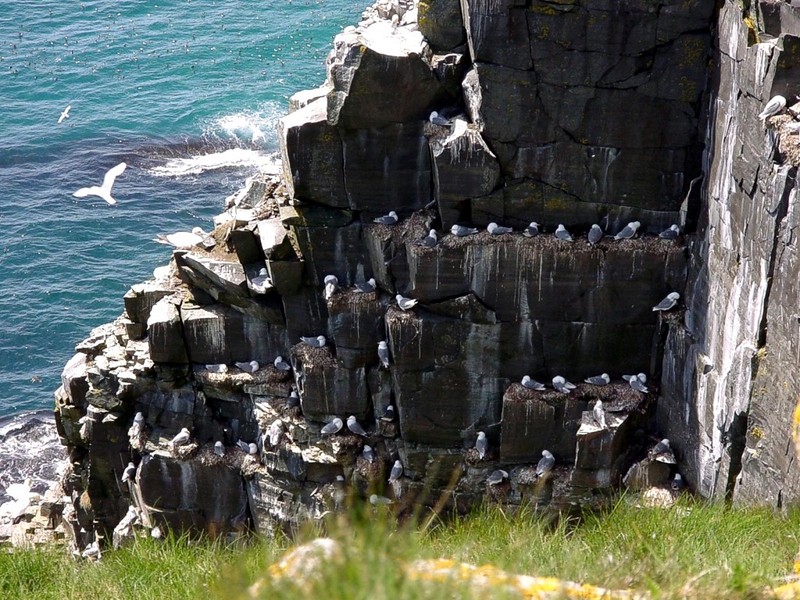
165 332
441 23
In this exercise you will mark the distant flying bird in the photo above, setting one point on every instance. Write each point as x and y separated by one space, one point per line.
383 354
628 231
354 426
461 231
481 445
331 285
562 233
335 426
430 240
388 219
405 303
531 230
104 190
314 342
773 107
603 379
545 464
367 287
495 229
668 303
64 115
595 234
673 232
532 384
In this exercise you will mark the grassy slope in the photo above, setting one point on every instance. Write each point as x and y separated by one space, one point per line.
694 550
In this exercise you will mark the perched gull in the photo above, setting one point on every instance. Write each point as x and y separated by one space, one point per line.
388 414
368 453
773 107
430 240
383 354
248 367
104 190
135 430
182 239
335 426
331 285
64 115
545 464
495 229
437 119
637 382
496 477
562 233
562 385
668 303
219 449
281 364
314 342
92 551
262 282
275 432
221 368
293 399
628 231
603 379
676 485
481 444
532 384
243 446
389 219
531 230
661 447
129 473
397 471
670 234
595 234
366 287
182 437
252 449
376 500
461 231
354 426
599 414
405 303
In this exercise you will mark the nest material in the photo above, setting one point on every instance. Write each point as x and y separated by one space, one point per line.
310 356
616 397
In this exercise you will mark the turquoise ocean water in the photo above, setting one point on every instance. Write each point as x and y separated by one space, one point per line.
186 92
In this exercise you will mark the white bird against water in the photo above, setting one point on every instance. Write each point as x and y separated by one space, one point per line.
668 303
104 190
182 239
405 303
64 114
775 105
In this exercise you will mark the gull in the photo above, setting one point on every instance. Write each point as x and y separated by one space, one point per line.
429 241
481 444
220 368
637 382
397 471
437 119
368 454
262 282
181 438
628 231
248 367
495 229
376 500
135 429
293 399
388 219
461 231
545 464
275 432
104 190
129 473
532 384
599 414
676 485
219 449
603 379
496 477
562 385
92 551
383 354
243 446
335 426
252 449
661 447
182 239
668 303
531 230
64 114
354 426
405 303
281 364
388 414
562 233
670 234
366 287
595 234
314 342
331 285
773 107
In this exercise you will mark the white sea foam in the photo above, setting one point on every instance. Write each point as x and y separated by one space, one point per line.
231 158
254 127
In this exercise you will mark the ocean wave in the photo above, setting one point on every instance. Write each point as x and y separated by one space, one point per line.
226 159
248 127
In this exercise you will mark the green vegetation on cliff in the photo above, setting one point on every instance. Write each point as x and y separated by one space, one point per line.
690 550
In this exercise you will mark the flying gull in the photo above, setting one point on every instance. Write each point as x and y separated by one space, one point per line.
129 473
366 287
388 414
628 231
773 107
531 230
64 114
181 438
314 342
383 354
219 449
354 426
668 303
397 471
220 368
331 285
545 464
461 231
562 385
562 233
104 190
182 239
603 379
670 234
532 384
437 119
248 367
262 282
275 432
495 229
595 234
405 303
335 426
281 364
496 477
430 240
389 219
481 444
599 414
368 454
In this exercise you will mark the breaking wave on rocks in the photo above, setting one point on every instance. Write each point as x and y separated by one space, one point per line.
230 158
30 448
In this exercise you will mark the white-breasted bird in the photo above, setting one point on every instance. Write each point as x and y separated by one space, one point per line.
103 190
248 367
603 379
532 230
182 239
388 414
562 385
437 119
497 477
354 426
396 472
219 448
562 233
430 240
388 219
461 231
219 368
383 354
481 445
183 437
368 453
262 282
775 105
495 229
314 342
129 473
281 364
670 234
628 231
545 464
595 234
275 432
64 114
331 285
532 384
335 426
405 303
668 303
366 287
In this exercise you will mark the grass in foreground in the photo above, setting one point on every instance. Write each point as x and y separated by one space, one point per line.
692 550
